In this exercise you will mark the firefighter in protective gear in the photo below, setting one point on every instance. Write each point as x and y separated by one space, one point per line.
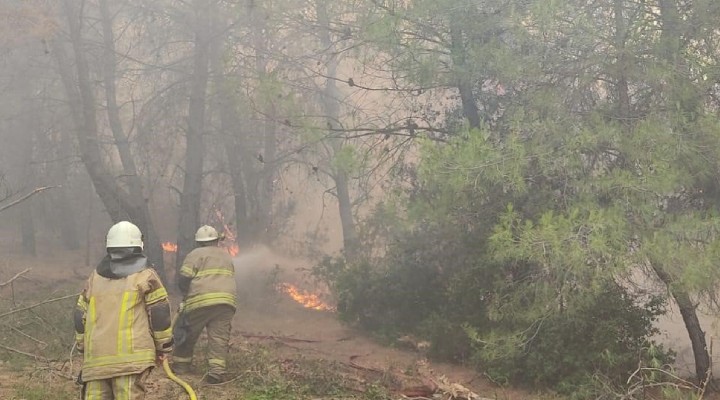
122 320
207 283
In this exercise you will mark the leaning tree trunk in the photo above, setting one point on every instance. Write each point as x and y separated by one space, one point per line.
191 197
119 204
688 310
141 210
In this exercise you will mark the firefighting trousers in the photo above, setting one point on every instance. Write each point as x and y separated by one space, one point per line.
126 387
217 319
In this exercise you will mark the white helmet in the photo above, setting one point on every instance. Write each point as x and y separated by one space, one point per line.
206 233
124 234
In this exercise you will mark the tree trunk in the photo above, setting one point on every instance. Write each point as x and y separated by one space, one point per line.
265 195
682 93
66 212
233 154
119 204
141 210
190 200
670 33
231 133
463 81
231 128
28 124
622 87
269 227
688 310
27 228
670 37
331 106
350 238
697 337
82 100
68 218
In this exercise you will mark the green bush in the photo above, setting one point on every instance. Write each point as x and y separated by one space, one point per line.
604 334
497 315
506 254
418 283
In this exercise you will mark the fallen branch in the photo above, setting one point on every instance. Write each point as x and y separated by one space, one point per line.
361 367
38 341
418 392
59 373
27 196
41 358
442 385
453 391
38 304
19 274
279 338
641 386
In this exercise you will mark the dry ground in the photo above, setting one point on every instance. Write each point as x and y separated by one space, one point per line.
280 349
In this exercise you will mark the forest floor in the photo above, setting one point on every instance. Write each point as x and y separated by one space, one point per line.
279 348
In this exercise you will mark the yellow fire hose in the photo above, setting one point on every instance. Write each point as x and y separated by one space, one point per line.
174 378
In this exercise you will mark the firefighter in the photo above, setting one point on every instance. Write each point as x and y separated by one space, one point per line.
207 283
122 320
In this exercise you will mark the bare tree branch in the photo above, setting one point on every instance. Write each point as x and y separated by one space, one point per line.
36 340
23 353
38 304
27 196
19 274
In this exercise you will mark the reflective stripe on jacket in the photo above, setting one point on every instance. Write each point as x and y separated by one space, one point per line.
117 328
212 276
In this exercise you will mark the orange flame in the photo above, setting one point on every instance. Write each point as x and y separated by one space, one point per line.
233 249
170 247
306 299
231 244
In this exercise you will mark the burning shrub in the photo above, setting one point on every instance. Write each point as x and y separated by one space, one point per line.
305 298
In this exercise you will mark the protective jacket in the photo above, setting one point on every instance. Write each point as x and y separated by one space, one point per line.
207 278
122 319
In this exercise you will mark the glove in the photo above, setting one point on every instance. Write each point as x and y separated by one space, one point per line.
180 329
161 356
181 307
